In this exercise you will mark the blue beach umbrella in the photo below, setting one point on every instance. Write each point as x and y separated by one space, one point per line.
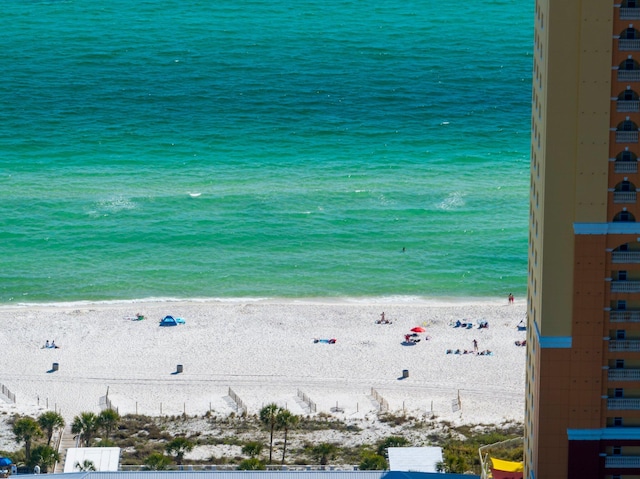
5 461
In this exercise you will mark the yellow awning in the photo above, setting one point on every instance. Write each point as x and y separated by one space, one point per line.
507 466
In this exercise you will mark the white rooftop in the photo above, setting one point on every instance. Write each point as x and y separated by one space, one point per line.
103 458
414 459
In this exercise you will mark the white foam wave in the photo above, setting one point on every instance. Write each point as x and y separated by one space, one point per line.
453 201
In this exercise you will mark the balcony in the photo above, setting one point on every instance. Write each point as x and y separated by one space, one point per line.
625 286
624 316
622 345
625 256
628 75
628 44
629 13
625 167
622 461
627 105
619 404
624 196
623 374
626 137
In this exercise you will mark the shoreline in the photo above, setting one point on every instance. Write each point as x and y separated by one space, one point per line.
364 300
265 351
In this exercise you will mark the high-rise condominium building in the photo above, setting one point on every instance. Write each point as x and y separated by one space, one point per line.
582 416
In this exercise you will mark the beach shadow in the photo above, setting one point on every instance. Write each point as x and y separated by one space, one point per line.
402 377
408 343
51 371
176 372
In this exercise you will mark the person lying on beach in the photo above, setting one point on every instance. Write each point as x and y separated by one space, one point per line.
460 324
50 346
328 341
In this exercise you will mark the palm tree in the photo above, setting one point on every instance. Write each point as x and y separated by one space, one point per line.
49 422
26 429
86 426
373 462
391 441
178 447
252 464
268 415
108 421
45 456
157 462
285 420
86 465
252 449
324 452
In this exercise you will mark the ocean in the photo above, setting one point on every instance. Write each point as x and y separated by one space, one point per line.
254 149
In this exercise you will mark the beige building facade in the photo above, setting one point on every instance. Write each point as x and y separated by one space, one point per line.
582 415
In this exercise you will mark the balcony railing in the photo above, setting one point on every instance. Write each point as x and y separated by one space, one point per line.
624 196
625 167
628 44
625 256
622 461
622 345
627 105
626 137
628 75
625 286
624 316
629 13
619 404
623 374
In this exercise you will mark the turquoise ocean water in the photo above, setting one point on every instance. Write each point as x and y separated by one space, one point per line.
193 149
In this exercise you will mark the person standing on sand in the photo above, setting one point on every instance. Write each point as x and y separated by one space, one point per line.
510 298
475 345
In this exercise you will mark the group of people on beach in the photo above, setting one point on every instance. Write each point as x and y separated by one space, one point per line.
51 345
485 352
383 320
475 350
467 324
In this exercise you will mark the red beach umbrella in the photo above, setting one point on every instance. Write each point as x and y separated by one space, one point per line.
418 329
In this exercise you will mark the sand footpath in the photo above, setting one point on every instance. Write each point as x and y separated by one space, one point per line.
258 352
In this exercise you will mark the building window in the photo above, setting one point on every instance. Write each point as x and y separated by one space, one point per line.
619 363
617 450
622 305
622 275
629 34
625 186
624 217
620 334
617 421
618 393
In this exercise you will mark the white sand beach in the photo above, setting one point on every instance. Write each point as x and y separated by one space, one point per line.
264 351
